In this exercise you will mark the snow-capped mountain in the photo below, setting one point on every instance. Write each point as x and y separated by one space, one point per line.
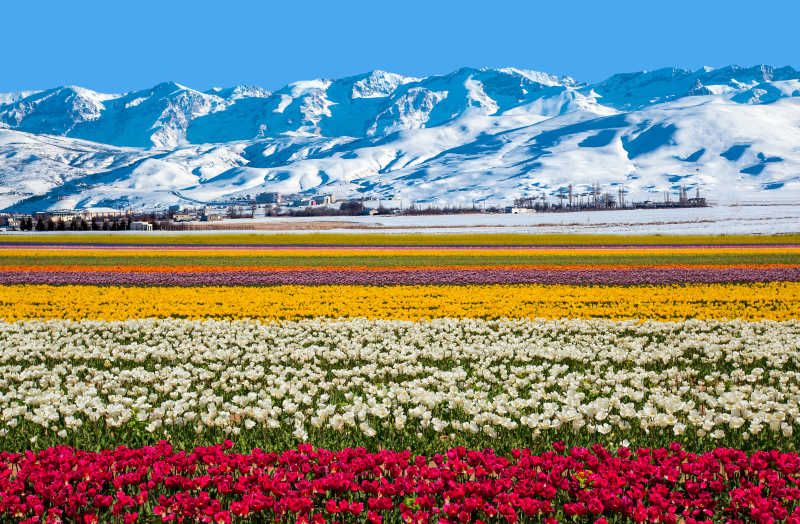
471 135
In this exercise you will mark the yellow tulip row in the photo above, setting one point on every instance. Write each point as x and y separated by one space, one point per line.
774 301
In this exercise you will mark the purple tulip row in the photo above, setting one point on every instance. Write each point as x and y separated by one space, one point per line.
408 277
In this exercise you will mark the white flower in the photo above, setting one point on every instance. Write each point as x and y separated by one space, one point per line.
450 375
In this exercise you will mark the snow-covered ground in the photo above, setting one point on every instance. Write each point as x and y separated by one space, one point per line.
730 220
710 220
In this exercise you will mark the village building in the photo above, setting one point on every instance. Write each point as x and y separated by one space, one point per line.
182 217
141 226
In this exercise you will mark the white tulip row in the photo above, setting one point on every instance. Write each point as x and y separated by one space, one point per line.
712 378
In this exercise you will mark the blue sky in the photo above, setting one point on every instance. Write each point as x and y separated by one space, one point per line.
118 46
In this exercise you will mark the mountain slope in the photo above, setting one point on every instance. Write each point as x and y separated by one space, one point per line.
471 135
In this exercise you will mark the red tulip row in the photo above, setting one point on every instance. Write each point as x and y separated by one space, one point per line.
314 485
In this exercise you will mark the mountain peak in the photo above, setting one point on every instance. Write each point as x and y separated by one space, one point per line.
378 84
169 87
539 77
240 91
301 87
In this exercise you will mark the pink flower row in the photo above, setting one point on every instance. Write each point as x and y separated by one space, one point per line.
314 485
450 276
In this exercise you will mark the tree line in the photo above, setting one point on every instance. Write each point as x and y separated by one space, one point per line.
76 224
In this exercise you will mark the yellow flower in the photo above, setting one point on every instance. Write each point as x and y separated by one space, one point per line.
774 301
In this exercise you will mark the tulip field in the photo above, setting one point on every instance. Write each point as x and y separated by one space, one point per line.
399 378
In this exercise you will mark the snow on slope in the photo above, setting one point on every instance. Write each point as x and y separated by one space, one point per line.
36 165
637 90
10 98
471 135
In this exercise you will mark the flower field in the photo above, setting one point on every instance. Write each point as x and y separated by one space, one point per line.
400 379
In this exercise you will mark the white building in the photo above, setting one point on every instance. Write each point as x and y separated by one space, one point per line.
386 203
141 226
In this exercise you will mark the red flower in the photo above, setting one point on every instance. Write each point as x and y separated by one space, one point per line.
240 508
595 506
661 484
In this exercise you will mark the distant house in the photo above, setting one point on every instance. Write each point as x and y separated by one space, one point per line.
268 198
240 212
304 202
182 217
141 226
213 210
698 202
65 215
519 210
324 200
211 217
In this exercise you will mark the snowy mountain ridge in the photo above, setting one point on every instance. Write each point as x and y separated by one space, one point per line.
471 135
